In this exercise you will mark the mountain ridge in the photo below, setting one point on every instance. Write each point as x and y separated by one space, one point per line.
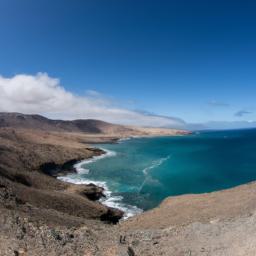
35 121
88 126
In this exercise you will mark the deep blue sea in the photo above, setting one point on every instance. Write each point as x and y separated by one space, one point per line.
140 172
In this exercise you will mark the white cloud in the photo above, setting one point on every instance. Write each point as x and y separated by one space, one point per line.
44 95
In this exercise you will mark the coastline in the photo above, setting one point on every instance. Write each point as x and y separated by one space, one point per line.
32 173
108 198
42 215
31 159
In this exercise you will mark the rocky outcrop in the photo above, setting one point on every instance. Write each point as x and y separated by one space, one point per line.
112 215
91 191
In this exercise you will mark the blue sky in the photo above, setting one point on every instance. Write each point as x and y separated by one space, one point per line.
195 60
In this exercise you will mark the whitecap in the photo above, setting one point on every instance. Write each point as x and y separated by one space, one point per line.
155 163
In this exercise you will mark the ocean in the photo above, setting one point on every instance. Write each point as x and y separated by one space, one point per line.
139 173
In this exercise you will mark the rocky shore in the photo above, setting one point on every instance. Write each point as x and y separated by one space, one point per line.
30 194
41 215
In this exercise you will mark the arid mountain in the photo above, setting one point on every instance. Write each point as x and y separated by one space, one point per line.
88 126
17 120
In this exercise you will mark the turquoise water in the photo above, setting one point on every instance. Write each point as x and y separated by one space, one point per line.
144 171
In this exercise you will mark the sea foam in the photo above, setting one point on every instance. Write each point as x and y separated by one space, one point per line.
155 164
109 200
79 166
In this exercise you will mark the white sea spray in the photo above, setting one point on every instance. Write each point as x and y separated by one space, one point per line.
109 200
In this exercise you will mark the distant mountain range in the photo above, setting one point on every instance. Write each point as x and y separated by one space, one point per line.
18 120
88 126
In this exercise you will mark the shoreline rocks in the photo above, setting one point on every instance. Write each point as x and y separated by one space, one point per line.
30 169
90 191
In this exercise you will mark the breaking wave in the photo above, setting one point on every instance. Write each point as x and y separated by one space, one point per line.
109 200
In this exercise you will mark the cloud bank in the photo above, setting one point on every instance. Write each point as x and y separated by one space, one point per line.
42 94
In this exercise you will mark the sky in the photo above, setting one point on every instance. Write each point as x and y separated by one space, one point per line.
153 63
